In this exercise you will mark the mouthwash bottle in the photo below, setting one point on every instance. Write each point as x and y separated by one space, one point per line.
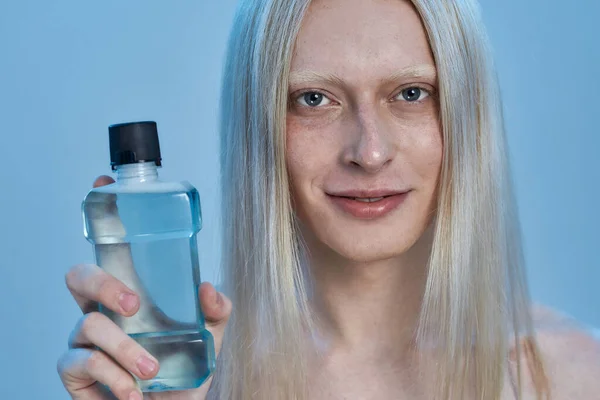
143 231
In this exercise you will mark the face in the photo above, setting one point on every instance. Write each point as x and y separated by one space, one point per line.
364 145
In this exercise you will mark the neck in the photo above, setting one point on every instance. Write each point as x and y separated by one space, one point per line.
369 309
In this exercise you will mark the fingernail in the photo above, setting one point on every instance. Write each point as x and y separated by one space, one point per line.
127 301
146 365
135 395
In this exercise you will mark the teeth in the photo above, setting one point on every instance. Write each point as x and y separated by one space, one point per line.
368 200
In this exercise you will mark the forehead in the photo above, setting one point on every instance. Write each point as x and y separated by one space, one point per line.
352 38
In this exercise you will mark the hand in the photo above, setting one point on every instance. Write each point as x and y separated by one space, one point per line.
82 368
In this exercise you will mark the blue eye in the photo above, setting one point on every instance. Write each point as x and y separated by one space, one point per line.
313 99
413 94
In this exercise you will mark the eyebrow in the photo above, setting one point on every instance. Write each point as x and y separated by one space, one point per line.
414 71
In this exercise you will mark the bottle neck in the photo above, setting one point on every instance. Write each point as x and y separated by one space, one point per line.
137 172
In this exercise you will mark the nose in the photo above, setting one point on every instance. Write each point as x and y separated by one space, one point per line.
369 144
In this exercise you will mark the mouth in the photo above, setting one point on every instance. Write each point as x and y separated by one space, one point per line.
367 199
368 205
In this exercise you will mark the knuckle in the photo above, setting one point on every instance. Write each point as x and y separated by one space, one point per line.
73 274
91 322
105 286
73 336
61 364
122 385
129 350
95 361
102 283
77 335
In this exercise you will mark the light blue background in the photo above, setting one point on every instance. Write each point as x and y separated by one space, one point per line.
68 69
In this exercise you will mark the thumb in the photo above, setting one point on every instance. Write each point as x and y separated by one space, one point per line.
103 180
216 308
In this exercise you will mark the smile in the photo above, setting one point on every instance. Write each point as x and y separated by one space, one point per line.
368 208
367 199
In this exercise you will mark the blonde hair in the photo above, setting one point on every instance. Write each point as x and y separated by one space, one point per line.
476 292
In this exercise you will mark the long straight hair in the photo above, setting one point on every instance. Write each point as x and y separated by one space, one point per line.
476 295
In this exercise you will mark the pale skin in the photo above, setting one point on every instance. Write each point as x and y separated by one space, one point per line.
364 135
362 116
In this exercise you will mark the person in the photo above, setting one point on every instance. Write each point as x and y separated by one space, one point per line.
371 246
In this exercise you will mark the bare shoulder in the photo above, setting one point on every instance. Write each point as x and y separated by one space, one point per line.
570 352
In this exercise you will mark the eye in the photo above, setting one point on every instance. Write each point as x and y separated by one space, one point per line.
413 94
313 99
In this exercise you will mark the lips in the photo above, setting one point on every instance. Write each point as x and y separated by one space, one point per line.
368 205
367 194
367 199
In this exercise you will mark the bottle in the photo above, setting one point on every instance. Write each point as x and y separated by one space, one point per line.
143 231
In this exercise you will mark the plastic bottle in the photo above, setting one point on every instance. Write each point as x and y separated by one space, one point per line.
143 231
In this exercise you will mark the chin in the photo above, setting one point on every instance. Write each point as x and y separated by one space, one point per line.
367 256
368 248
332 236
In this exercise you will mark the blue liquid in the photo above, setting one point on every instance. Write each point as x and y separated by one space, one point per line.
145 236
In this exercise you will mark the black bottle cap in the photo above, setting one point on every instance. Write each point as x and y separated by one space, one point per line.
133 142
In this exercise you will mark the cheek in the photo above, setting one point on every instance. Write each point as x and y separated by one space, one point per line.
295 154
426 159
304 159
426 152
432 152
309 150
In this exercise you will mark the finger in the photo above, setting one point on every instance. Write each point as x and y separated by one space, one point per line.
80 369
103 180
96 329
216 308
215 305
89 285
